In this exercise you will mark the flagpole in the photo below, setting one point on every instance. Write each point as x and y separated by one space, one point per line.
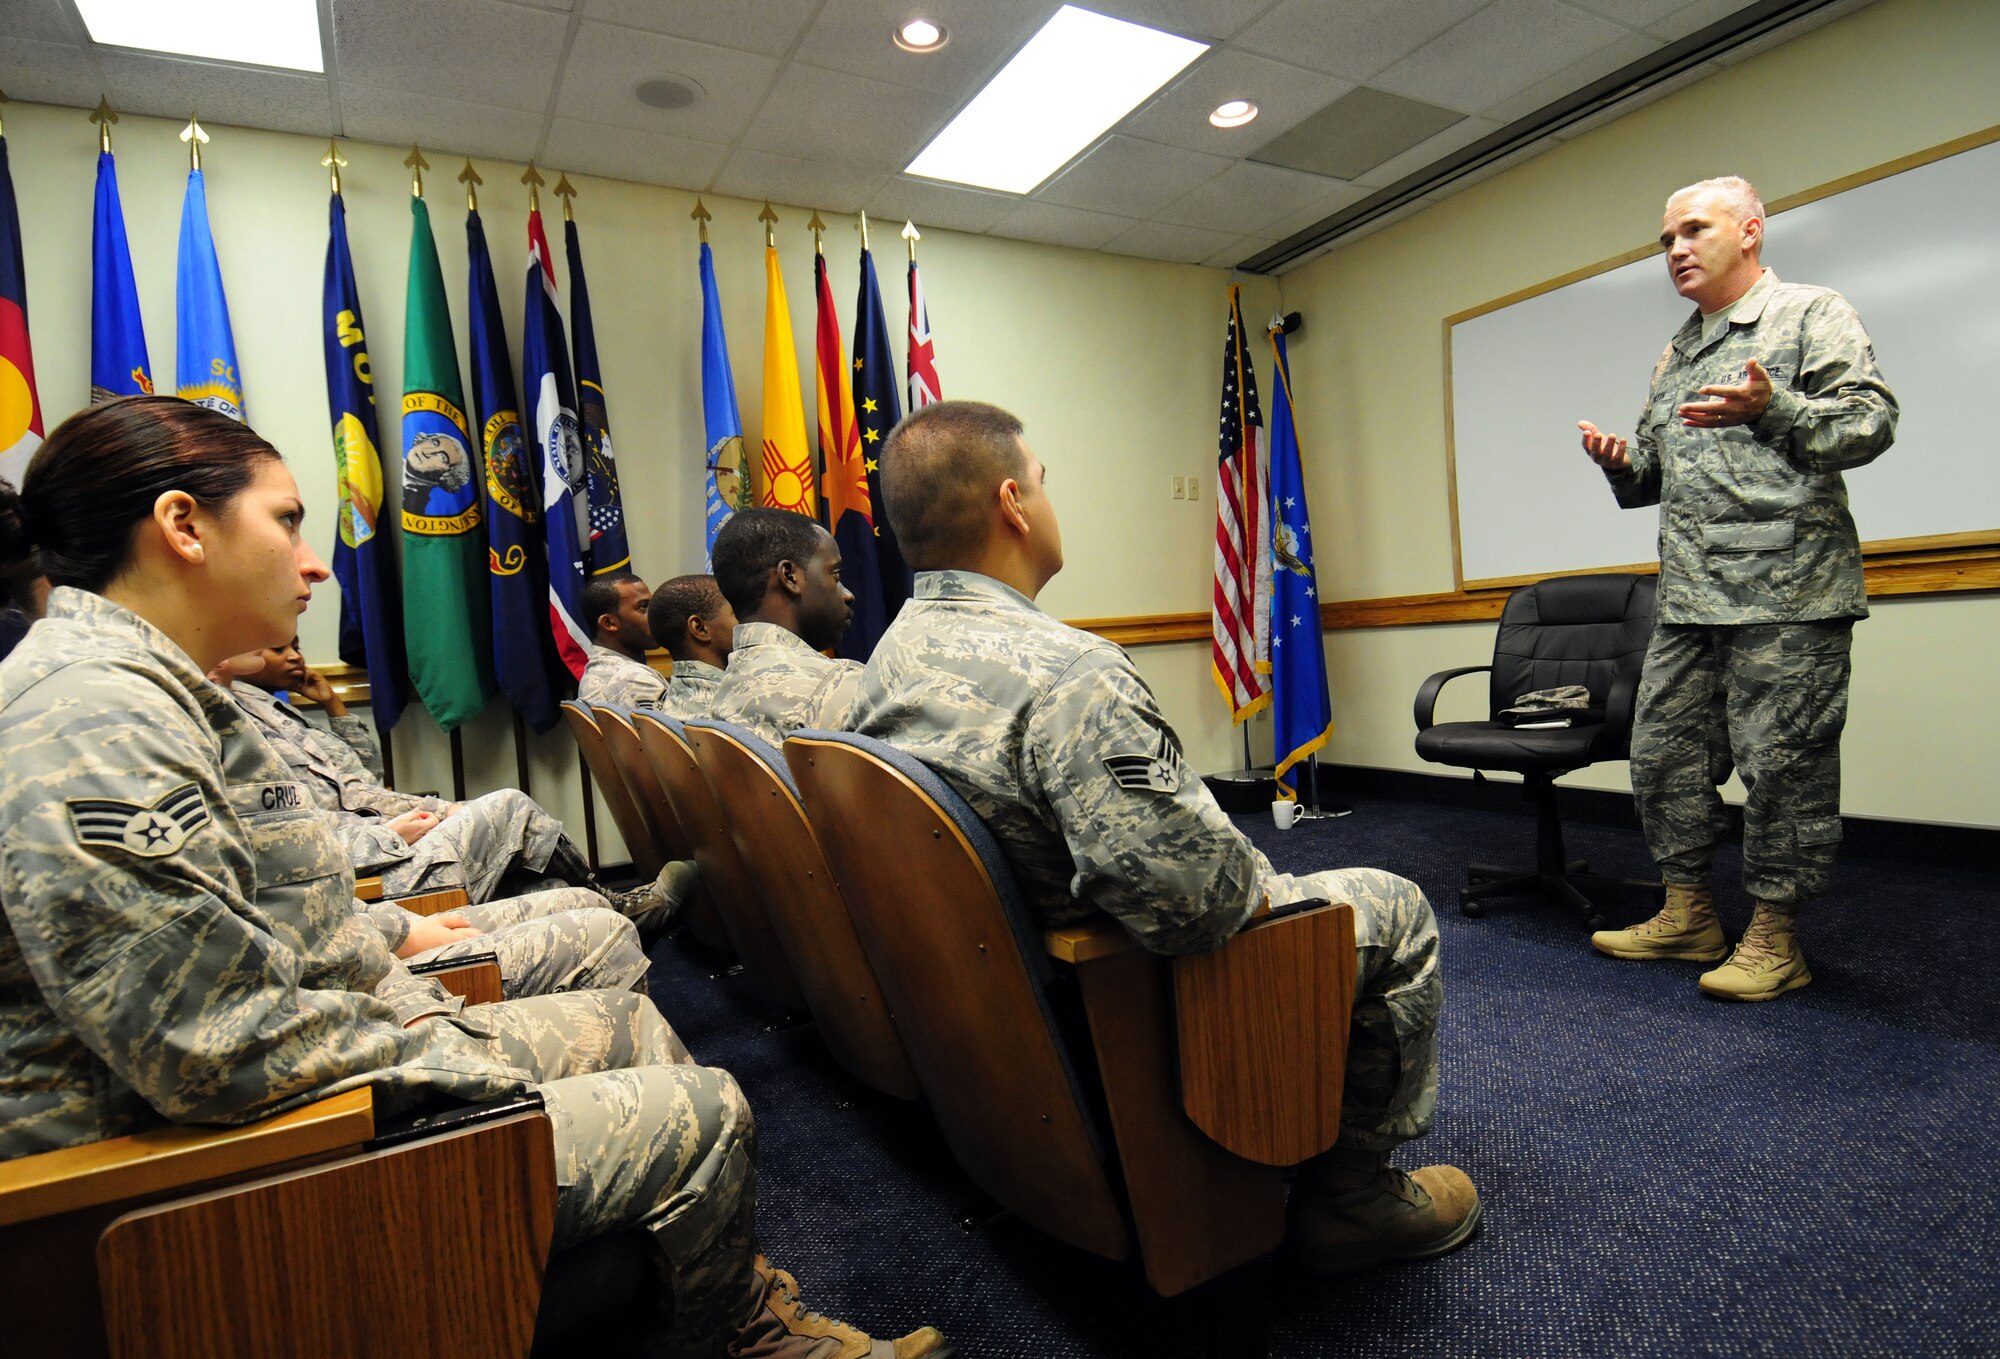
457 764
469 177
567 192
332 160
521 753
104 118
912 235
702 217
193 135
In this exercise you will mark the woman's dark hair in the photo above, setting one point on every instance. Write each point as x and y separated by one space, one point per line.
19 561
100 473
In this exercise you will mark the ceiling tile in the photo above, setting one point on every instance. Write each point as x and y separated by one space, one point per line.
1690 18
1248 197
1209 20
607 64
44 21
49 73
1355 133
1057 225
1354 39
1498 52
1427 152
766 26
1343 197
829 115
1159 241
623 153
169 87
476 50
1638 13
1237 251
1574 77
1131 178
447 126
803 184
855 36
1284 95
930 204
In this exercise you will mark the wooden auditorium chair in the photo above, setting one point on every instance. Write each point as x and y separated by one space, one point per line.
597 758
1189 1083
621 737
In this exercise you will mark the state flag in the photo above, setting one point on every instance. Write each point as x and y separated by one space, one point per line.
20 408
785 480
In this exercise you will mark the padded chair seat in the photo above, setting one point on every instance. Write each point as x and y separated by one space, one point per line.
1493 745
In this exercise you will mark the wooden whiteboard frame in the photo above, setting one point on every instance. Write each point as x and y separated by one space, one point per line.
1978 539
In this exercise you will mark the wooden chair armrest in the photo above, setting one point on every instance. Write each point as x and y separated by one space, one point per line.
1088 940
368 889
163 1159
434 903
476 979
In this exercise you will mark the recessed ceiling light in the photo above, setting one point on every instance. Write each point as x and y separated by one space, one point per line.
921 35
1235 113
282 33
1076 77
668 92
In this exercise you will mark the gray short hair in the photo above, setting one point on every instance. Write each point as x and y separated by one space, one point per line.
1738 193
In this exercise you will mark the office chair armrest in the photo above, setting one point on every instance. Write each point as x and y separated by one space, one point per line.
1619 706
1427 692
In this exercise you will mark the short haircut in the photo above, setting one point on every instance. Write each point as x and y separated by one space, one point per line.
1738 194
680 599
600 595
750 546
940 469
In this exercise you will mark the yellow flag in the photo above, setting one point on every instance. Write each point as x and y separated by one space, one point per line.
786 480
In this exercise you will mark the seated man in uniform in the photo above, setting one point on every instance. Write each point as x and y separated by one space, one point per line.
492 846
1053 737
691 619
780 572
619 640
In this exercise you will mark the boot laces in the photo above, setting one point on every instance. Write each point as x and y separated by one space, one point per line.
1758 949
787 1287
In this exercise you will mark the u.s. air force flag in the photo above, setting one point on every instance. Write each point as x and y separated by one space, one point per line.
1302 715
118 362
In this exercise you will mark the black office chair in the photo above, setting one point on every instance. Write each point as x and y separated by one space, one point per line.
1587 630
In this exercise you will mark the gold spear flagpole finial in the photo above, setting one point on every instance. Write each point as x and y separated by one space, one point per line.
863 224
193 135
912 235
3 122
104 117
415 160
533 179
702 217
565 191
817 228
469 177
770 221
333 160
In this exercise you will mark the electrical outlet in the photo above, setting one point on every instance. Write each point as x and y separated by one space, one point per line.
1180 488
1194 487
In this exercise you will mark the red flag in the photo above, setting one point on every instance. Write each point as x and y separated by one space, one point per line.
924 386
844 477
1239 621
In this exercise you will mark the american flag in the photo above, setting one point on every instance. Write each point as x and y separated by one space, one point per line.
1240 622
924 386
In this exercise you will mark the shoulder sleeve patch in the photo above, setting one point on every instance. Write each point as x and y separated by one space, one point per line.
147 831
1156 772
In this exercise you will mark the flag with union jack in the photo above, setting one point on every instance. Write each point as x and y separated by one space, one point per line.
1240 621
924 386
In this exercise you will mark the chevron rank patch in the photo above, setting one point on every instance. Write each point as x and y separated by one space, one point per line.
1158 772
149 832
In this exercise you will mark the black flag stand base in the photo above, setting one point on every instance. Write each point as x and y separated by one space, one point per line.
1313 809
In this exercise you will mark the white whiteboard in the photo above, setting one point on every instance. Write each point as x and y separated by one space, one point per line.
1917 253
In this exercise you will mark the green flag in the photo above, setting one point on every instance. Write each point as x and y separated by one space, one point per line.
446 626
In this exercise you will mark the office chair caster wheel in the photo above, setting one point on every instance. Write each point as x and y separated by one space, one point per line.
1473 910
1594 923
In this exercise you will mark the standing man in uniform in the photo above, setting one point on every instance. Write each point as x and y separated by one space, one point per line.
780 572
691 619
617 672
1765 395
1055 740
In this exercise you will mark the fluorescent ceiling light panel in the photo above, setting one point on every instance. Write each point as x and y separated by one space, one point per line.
1075 78
282 33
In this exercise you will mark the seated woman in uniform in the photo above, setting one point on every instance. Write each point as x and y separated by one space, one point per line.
180 942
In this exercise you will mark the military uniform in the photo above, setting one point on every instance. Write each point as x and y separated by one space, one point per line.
1760 584
1055 740
777 684
613 677
558 939
691 692
181 946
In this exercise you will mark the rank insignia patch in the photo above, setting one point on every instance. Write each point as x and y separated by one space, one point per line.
1158 772
149 832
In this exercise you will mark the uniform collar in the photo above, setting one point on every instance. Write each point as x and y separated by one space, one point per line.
262 700
95 611
695 669
768 634
1744 311
611 654
971 585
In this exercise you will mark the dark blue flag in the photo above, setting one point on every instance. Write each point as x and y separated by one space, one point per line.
551 396
523 654
877 408
1302 716
609 550
370 633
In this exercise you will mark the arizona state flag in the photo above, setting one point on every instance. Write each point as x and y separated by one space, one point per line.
444 552
20 407
876 412
848 504
118 362
551 395
785 480
369 634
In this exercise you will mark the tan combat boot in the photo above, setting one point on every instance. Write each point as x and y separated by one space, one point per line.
782 1328
1349 1218
1767 962
1686 927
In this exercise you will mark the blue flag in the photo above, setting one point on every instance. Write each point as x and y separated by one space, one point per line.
205 358
545 378
721 416
370 633
1302 715
523 659
877 408
118 362
609 550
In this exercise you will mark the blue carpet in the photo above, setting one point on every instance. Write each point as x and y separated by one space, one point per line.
1663 1175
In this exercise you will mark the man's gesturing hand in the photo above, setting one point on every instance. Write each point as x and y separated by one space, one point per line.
1606 450
1742 405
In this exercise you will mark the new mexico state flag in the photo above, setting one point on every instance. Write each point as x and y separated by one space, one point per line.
785 477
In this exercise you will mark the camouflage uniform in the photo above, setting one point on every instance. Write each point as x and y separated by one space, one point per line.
615 678
180 945
355 733
777 684
691 692
1056 741
559 939
1760 584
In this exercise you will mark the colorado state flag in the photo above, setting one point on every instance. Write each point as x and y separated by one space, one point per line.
20 408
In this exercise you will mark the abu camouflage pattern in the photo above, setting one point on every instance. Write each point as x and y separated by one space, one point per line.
776 684
615 678
1057 742
691 692
557 939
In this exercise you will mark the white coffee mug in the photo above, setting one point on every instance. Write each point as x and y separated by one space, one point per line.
1284 813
